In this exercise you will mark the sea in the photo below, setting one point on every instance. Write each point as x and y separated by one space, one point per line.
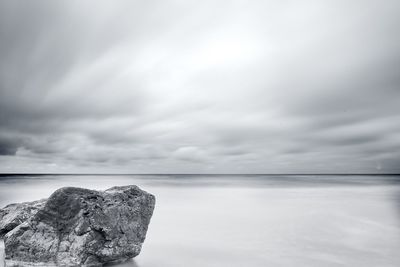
251 220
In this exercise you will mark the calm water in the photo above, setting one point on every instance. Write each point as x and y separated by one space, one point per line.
252 220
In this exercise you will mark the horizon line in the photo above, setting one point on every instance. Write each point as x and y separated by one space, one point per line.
165 174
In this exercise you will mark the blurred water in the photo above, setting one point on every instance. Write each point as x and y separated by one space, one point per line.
253 220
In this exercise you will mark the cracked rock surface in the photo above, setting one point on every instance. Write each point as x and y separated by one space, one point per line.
14 214
78 227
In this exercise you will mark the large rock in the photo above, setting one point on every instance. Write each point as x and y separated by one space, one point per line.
83 227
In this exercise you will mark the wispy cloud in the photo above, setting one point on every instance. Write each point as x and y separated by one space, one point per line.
217 87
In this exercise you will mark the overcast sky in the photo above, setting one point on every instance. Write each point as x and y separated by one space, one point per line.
200 86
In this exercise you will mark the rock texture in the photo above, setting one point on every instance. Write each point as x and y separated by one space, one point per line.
81 227
14 214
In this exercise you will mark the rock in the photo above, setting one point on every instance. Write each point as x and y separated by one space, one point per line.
81 227
14 214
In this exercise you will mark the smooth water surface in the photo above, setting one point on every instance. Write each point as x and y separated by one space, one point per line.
252 220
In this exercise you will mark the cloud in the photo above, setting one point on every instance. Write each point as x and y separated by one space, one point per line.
249 87
190 153
8 146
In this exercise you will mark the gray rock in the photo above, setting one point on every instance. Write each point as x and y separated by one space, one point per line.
14 214
81 227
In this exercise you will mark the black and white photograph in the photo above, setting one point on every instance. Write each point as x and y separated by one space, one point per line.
212 133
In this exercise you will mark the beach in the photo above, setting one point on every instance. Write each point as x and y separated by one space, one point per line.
252 220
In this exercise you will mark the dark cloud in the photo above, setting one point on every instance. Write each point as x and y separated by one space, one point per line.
8 147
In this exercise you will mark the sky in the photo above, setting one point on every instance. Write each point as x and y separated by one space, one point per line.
200 86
